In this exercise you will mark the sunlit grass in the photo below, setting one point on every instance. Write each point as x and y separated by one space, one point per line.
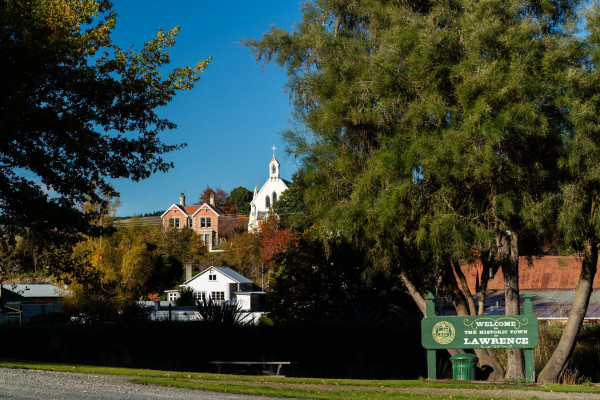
293 387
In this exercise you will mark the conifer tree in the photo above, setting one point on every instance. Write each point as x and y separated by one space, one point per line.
435 130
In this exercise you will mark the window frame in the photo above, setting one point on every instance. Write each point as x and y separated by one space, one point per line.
205 222
217 296
198 295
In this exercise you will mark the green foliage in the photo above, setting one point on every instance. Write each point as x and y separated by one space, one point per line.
186 298
292 207
77 111
241 197
428 130
314 283
225 313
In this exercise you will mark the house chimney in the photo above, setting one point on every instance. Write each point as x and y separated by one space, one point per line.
182 199
212 199
188 271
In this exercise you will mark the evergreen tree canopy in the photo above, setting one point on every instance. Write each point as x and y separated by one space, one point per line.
240 197
436 131
435 125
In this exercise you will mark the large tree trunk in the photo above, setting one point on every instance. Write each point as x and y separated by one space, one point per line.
508 253
558 361
412 290
485 277
487 360
498 370
465 287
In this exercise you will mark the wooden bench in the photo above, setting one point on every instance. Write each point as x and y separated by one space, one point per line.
252 365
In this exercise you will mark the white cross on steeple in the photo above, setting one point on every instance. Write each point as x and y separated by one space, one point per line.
273 148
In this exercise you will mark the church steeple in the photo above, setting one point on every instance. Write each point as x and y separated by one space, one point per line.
274 166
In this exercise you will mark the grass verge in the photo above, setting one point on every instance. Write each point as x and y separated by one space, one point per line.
326 389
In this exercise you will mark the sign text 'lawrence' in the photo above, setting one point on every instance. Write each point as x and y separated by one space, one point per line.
448 332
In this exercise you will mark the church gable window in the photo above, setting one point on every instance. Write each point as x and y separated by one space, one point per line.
268 202
274 197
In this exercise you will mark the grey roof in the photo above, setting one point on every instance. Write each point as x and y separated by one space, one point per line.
35 290
547 304
233 275
225 271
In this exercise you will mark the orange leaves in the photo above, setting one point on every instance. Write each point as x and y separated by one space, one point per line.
276 240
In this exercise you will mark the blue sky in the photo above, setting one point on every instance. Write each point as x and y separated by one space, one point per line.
234 114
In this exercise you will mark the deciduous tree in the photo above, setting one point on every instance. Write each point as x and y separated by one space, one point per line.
77 111
220 196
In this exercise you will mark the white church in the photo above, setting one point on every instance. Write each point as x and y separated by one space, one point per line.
267 195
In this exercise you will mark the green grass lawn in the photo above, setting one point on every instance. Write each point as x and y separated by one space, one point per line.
327 389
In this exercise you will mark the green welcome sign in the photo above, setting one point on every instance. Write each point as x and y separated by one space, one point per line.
501 332
480 332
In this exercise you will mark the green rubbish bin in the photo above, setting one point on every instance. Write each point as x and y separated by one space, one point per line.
463 367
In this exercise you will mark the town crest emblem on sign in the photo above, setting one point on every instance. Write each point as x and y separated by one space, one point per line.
443 332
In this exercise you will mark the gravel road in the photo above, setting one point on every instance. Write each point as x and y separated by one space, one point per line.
18 384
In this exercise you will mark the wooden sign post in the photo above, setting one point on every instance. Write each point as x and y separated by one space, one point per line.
480 332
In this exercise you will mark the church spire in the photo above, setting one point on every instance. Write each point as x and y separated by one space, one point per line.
274 166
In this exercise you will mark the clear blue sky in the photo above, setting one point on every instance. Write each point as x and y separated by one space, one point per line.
234 114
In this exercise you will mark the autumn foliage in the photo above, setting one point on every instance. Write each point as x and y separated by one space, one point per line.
276 240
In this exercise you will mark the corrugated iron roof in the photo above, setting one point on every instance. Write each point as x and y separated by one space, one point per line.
233 275
549 272
35 290
547 304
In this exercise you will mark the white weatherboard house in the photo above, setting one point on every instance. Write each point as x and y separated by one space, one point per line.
222 284
268 194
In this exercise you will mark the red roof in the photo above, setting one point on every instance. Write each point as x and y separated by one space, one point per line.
190 210
549 272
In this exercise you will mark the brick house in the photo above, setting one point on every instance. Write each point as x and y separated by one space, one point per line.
204 219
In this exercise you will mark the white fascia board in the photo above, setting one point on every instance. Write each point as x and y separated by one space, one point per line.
171 209
202 208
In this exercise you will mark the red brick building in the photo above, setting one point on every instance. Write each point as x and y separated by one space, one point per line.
204 219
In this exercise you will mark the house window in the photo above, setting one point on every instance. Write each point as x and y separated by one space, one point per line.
172 296
199 296
173 222
268 202
217 296
212 277
205 222
188 222
205 238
